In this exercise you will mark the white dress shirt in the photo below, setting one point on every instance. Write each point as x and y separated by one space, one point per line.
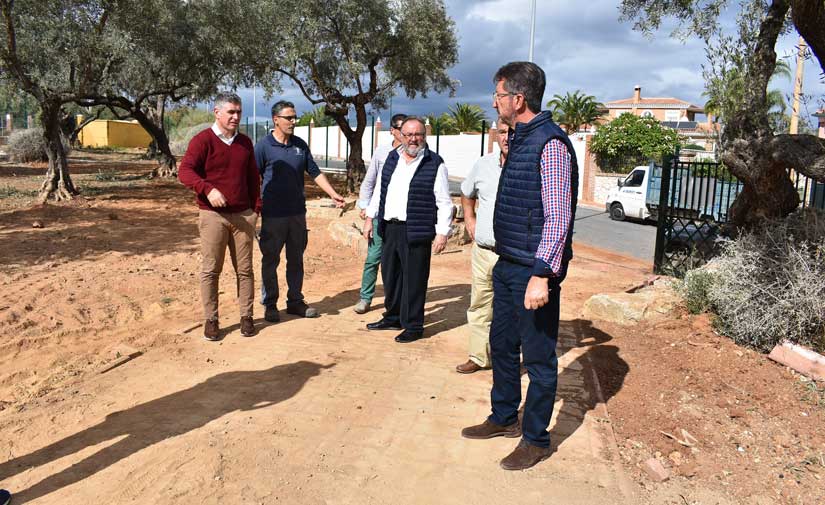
395 204
368 185
226 140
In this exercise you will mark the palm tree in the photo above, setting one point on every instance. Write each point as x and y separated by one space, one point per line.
575 110
466 117
443 124
317 116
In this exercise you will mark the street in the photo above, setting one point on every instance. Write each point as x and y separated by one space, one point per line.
633 238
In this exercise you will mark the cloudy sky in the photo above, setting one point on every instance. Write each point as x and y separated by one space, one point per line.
580 45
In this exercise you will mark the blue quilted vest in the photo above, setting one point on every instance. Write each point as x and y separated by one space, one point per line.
519 216
421 209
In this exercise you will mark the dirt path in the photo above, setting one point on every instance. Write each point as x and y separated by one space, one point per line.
308 411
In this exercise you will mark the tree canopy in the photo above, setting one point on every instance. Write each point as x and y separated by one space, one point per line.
749 147
630 140
347 54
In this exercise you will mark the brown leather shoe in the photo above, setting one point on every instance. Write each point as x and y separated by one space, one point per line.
247 326
211 331
469 367
524 456
489 429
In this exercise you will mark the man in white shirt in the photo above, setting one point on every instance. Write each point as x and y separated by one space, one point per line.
368 187
411 212
481 185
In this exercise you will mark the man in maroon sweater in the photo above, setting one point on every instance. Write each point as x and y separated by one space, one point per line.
219 166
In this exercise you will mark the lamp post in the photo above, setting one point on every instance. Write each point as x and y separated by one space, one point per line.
532 28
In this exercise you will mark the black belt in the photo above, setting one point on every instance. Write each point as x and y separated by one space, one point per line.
394 221
486 247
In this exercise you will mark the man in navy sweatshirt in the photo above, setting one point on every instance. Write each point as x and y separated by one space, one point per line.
219 166
282 160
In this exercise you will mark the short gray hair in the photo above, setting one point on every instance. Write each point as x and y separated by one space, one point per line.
223 98
414 118
526 78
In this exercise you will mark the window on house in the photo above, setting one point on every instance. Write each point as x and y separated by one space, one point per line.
671 115
635 179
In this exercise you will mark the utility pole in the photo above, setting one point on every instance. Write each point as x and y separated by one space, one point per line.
797 87
532 28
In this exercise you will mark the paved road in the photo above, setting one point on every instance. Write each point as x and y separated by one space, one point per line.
633 238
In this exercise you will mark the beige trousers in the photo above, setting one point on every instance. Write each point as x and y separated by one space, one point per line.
480 313
217 231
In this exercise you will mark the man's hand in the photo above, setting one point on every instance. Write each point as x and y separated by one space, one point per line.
537 293
470 226
216 198
338 200
439 243
367 229
362 213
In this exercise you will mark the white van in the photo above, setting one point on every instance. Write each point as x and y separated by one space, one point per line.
629 198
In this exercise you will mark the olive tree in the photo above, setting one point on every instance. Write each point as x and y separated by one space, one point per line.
749 147
350 54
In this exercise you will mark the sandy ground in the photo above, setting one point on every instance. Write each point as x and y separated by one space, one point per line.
308 411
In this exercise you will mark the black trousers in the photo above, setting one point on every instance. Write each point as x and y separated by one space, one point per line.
405 270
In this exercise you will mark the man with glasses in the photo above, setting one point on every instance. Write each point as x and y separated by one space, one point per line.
373 260
533 228
219 166
282 160
481 186
412 213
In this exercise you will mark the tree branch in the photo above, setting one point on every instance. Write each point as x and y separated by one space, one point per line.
803 153
809 18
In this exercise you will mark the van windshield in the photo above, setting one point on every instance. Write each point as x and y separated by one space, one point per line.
635 179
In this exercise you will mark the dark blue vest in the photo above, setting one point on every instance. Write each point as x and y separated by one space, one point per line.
519 216
422 212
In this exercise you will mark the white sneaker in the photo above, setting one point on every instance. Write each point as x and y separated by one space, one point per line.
362 307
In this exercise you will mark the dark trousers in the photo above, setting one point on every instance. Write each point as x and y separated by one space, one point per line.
405 269
534 333
277 232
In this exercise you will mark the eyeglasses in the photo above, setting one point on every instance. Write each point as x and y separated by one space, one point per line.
496 96
413 135
289 118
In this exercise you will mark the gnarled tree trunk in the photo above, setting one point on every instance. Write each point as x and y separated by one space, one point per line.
58 183
355 162
153 124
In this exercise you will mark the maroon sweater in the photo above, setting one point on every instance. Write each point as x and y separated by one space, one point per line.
209 163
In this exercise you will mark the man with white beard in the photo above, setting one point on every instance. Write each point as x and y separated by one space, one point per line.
412 214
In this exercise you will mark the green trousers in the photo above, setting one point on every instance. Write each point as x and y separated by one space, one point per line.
371 265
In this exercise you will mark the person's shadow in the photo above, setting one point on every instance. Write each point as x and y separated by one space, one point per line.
156 420
608 366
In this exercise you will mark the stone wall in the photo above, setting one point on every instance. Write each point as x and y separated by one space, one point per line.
604 183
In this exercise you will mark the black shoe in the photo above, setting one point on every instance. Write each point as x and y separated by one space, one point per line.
271 314
383 324
408 336
302 309
5 497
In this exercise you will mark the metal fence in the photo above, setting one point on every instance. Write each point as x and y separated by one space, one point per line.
694 201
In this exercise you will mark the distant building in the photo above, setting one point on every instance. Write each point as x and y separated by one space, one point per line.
820 114
671 112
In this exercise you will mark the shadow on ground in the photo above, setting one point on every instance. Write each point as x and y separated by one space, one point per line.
154 421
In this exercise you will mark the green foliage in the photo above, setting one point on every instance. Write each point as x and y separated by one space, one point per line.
632 139
181 119
466 118
770 284
317 116
443 124
574 110
694 289
12 192
695 147
182 136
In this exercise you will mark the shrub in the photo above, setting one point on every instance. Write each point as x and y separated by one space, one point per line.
180 140
695 288
25 146
632 137
770 284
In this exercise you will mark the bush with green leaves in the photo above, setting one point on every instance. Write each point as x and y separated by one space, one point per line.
695 288
768 285
631 140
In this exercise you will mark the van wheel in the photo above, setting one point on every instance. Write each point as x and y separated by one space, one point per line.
617 212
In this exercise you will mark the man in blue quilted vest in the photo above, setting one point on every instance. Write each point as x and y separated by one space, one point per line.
533 228
412 214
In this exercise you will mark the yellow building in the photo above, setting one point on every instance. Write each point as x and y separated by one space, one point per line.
113 133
